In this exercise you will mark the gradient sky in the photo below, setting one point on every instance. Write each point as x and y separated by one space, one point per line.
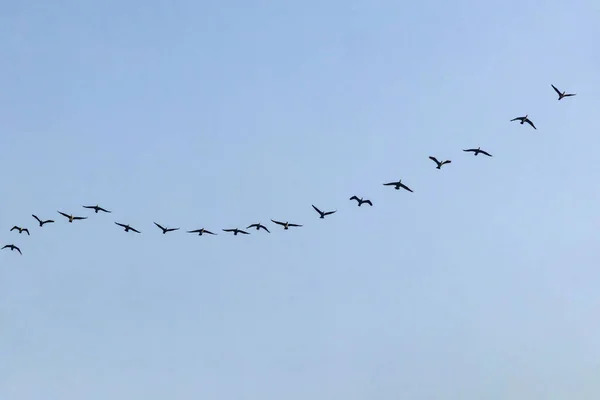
482 284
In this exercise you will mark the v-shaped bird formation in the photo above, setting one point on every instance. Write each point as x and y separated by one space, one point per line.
258 226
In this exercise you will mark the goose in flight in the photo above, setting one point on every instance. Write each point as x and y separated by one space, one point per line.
71 217
361 201
236 231
523 120
477 151
258 227
398 185
48 221
439 164
285 225
21 230
562 94
323 214
201 231
12 247
165 230
128 228
97 208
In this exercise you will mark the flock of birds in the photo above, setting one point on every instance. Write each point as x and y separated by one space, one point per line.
258 226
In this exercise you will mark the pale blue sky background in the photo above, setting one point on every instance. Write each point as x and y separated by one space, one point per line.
482 284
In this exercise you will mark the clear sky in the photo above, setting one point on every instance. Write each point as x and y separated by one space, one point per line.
482 284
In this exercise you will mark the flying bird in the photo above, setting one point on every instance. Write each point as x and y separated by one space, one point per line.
398 185
323 214
523 120
165 230
128 228
12 247
48 221
562 94
477 151
361 201
71 217
258 227
97 208
21 230
439 164
201 231
285 225
236 231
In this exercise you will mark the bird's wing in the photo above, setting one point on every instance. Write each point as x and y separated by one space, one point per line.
63 214
316 209
252 226
135 230
516 119
469 150
26 230
294 225
229 230
48 221
34 216
530 123
354 198
6 246
570 94
244 232
159 226
194 231
390 184
330 212
172 229
555 89
19 250
447 162
264 227
209 232
485 152
434 159
103 209
123 225
79 217
13 228
88 207
403 186
368 202
278 223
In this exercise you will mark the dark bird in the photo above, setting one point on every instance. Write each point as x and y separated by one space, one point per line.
398 185
439 164
12 247
523 120
97 208
285 225
323 214
48 221
236 231
71 217
477 151
562 94
258 227
165 230
201 231
128 228
361 201
21 230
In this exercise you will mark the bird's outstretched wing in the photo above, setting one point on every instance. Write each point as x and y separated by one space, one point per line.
159 226
570 94
18 249
38 220
517 119
13 228
64 215
209 232
530 123
471 150
229 230
354 198
329 212
403 186
263 227
103 209
121 225
435 160
135 230
446 162
244 232
556 90
278 222
294 225
253 226
316 209
485 152
368 202
79 218
390 184
26 230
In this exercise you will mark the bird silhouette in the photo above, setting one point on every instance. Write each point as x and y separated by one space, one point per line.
21 230
258 226
477 151
523 120
165 230
71 217
12 247
48 221
321 213
201 231
285 225
97 208
562 95
236 231
398 185
128 228
361 201
439 164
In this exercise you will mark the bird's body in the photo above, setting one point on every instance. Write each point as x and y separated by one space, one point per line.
48 221
165 230
439 164
398 185
236 231
477 151
12 247
127 228
97 208
361 201
258 227
21 230
71 217
285 225
523 120
201 231
563 94
321 213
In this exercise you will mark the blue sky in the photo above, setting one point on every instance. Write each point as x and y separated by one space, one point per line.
483 283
